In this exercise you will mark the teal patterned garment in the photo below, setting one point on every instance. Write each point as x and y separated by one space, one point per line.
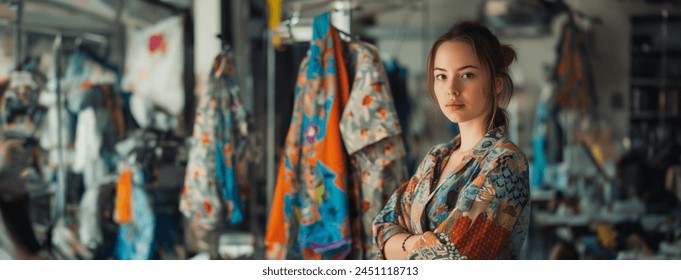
481 209
136 238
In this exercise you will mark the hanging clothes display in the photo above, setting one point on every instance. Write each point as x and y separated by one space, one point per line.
573 73
343 154
220 130
155 63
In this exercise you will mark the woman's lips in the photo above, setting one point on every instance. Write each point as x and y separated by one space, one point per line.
455 106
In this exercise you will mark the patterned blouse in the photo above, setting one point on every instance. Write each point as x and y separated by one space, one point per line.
343 154
480 211
220 132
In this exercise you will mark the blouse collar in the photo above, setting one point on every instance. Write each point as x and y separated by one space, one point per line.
480 149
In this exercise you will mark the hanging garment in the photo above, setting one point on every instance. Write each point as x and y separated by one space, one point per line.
112 106
136 237
155 62
55 122
21 115
87 161
342 155
372 137
397 76
573 74
123 210
219 132
481 210
76 81
539 135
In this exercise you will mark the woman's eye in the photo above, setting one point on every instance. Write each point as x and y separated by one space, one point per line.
440 77
467 76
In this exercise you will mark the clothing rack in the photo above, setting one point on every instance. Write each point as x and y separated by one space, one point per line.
297 29
168 6
58 47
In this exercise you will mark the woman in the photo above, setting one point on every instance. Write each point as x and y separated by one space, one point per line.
469 198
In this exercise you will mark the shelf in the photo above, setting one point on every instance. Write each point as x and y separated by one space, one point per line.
654 82
656 53
643 116
654 19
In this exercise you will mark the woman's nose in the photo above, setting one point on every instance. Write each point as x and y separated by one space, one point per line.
453 89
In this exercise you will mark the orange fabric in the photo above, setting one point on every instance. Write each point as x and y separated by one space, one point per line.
479 241
331 155
275 226
123 210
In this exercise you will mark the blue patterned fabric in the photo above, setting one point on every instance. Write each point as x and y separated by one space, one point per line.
135 239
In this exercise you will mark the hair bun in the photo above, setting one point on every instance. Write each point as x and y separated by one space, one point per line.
509 54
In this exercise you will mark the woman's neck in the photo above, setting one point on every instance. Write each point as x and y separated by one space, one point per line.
471 133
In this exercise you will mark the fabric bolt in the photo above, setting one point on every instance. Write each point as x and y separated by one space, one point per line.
155 62
480 210
342 154
210 189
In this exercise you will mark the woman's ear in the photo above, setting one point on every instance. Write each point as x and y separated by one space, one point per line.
498 85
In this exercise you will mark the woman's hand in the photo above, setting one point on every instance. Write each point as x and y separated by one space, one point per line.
393 248
411 243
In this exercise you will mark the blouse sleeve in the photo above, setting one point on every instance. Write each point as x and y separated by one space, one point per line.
395 217
391 220
486 214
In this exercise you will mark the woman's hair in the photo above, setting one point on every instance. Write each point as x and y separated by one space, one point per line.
495 59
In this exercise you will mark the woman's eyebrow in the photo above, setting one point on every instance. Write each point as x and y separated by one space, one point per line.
461 68
467 66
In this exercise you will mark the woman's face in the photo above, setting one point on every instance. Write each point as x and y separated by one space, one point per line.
460 83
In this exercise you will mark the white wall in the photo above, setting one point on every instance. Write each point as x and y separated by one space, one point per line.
207 22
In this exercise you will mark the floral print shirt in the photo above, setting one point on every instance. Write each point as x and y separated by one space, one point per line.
343 154
479 211
220 130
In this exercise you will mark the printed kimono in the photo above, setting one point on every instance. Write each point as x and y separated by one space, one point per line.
481 210
343 154
210 189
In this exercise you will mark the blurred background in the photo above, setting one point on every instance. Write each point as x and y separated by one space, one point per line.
103 121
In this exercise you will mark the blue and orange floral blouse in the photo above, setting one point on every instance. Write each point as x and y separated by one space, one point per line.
480 210
343 155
